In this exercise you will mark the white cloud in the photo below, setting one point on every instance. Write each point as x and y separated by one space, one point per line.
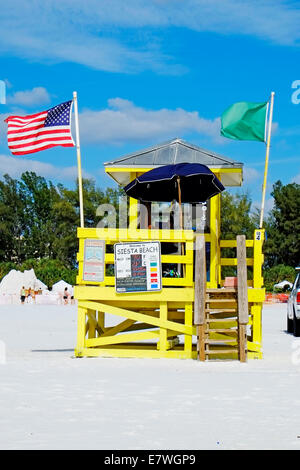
71 32
274 128
36 96
290 131
251 175
92 32
14 167
269 204
122 121
296 179
275 161
277 22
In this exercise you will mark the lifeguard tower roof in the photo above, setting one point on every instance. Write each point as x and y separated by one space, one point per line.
172 152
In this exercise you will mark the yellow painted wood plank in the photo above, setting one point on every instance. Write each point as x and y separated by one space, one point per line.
176 295
227 170
155 354
138 317
143 169
81 330
133 213
109 281
87 326
122 338
223 324
118 328
139 326
176 315
232 243
142 353
169 281
188 318
178 259
231 337
93 324
80 256
256 295
173 294
171 343
163 333
127 169
189 274
256 347
129 234
256 310
214 224
101 320
258 258
233 261
146 311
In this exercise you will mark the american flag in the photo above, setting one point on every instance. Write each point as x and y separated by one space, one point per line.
40 131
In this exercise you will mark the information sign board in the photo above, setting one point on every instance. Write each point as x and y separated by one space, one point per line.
138 267
93 263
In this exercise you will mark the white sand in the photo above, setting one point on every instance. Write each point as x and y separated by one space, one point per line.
49 400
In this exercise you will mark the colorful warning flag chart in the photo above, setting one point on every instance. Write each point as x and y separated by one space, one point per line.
138 267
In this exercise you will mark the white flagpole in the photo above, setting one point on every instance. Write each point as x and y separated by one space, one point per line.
267 161
78 159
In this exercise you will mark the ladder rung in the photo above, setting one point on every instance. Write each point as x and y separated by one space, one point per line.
220 341
222 330
223 351
223 310
226 290
221 320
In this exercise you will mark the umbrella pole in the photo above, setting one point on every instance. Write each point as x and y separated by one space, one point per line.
180 218
179 201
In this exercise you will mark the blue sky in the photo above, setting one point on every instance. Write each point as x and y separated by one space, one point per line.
149 71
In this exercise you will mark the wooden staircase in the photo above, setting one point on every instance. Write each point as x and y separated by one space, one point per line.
221 324
221 315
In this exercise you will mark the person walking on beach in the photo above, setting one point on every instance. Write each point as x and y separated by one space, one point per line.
72 296
29 296
66 296
23 295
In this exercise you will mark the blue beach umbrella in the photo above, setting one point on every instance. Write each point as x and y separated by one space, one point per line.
183 182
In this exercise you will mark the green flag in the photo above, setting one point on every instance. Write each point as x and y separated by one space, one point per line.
245 121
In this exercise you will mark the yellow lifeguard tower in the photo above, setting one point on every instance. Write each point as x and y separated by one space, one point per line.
161 323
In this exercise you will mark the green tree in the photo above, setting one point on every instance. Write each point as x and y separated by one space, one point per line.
50 271
12 221
65 221
93 197
283 226
6 267
38 196
236 216
236 219
277 274
39 220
